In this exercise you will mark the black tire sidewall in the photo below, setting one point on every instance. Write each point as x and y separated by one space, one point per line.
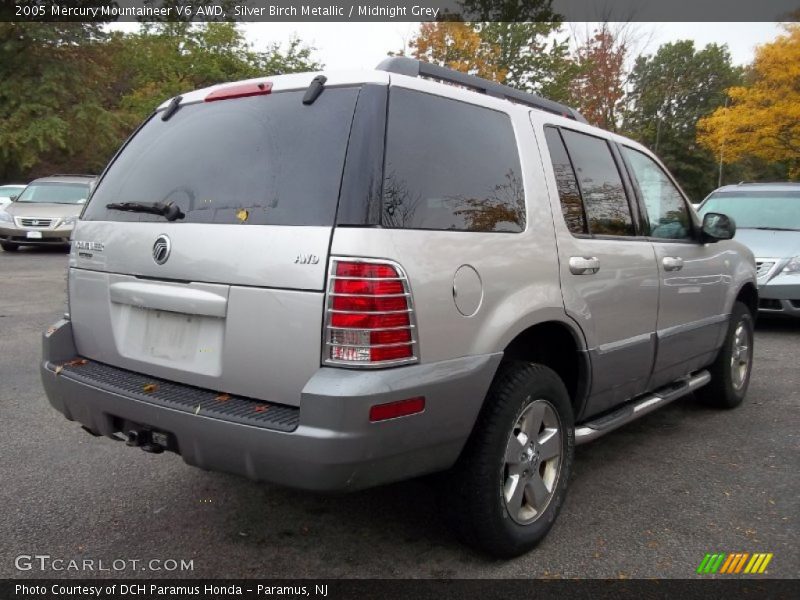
495 530
722 392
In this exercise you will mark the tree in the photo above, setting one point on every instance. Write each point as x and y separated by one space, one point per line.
762 119
49 108
458 46
669 92
598 88
74 93
525 56
531 56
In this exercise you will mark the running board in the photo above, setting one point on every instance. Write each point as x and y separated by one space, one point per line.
591 430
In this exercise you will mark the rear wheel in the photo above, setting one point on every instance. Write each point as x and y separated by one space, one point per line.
9 247
730 372
508 486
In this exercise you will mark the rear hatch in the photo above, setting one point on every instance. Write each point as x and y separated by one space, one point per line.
230 296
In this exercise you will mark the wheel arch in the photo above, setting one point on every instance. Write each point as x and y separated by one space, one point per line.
559 345
748 295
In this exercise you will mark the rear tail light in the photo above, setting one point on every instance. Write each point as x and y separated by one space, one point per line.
369 315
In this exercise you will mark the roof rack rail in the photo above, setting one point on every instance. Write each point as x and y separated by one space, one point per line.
402 65
70 175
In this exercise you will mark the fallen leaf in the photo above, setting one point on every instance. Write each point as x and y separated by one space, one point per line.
149 388
242 215
223 398
78 362
197 410
261 408
59 368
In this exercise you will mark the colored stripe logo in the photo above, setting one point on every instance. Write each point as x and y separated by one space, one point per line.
735 563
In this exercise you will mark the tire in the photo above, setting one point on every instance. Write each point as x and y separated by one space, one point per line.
9 247
485 499
730 372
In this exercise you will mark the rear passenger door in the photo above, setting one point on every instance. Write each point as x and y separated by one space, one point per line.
693 276
608 272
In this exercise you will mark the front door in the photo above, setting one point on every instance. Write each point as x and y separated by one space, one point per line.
693 276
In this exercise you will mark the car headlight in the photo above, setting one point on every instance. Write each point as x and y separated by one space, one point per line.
5 217
69 222
793 266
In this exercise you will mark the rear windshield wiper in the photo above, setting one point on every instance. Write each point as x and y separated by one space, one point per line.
169 211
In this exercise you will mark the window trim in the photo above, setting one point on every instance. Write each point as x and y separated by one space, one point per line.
637 233
574 174
517 147
694 238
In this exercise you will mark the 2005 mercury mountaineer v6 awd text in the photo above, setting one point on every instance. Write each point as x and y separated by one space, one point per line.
334 281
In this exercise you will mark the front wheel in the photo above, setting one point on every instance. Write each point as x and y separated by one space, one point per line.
511 480
730 372
9 247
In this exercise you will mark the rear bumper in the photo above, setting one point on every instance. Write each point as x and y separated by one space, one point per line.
334 445
780 296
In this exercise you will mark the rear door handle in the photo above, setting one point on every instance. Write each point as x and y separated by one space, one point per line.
584 265
672 263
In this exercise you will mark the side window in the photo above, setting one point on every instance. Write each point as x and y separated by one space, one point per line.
666 208
450 165
604 199
567 184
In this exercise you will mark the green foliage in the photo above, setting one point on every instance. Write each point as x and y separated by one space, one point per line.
670 91
531 55
71 93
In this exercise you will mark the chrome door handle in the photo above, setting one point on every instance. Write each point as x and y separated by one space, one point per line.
584 265
672 263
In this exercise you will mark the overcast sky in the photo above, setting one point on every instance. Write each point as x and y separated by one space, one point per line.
364 45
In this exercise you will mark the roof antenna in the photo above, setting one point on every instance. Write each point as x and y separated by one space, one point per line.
315 89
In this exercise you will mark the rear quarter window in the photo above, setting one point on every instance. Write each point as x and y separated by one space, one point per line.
450 166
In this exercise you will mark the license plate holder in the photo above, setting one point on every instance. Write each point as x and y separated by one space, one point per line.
34 235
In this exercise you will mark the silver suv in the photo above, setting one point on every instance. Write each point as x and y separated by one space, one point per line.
338 281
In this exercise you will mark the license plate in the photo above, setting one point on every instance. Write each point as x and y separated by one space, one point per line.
171 335
34 235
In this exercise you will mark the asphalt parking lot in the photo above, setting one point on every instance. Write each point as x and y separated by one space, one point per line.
646 501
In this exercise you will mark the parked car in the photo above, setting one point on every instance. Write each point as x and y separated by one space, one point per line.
767 217
338 281
9 192
45 212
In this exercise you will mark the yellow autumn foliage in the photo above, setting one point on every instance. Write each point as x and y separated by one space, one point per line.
458 46
763 118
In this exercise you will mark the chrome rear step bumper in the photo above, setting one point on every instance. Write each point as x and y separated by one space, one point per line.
591 430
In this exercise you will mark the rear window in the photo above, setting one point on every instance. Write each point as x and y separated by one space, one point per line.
263 160
450 165
55 193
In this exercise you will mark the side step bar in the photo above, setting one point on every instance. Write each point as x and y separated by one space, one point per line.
591 430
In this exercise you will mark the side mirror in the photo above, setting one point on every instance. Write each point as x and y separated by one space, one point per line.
717 226
13 198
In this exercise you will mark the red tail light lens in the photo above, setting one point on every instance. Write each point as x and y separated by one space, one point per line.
369 315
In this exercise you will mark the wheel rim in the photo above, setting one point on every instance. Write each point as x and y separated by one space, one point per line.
740 355
532 462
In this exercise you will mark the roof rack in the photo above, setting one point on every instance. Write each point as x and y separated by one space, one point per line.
402 65
71 175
